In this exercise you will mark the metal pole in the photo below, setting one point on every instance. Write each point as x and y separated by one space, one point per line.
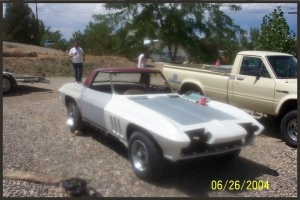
37 20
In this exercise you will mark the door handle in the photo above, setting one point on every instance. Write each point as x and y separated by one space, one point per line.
240 78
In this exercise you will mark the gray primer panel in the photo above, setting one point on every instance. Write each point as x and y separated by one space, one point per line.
183 111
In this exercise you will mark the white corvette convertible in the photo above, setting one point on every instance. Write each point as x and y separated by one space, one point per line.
138 107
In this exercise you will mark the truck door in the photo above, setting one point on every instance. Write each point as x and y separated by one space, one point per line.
253 88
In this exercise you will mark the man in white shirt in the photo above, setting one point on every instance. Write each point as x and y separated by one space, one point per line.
142 60
77 55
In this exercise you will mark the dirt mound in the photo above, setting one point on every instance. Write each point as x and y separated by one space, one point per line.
53 62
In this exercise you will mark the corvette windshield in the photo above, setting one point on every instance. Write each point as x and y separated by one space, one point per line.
148 83
284 66
126 77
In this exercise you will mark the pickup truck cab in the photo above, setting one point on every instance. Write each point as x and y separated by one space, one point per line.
259 81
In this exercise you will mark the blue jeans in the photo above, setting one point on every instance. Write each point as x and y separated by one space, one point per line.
78 68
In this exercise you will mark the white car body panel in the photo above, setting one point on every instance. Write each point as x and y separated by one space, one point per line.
166 117
73 90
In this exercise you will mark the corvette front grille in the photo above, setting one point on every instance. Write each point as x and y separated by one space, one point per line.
200 147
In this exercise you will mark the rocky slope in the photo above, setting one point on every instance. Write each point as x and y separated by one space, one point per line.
53 62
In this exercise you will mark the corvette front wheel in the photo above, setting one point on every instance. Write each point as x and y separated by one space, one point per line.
145 158
74 120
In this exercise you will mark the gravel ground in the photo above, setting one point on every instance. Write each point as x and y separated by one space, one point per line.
36 139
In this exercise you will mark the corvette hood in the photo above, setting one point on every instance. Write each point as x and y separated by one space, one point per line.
183 111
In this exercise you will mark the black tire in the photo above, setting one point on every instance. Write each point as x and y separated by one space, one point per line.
190 89
74 184
7 85
74 119
77 192
145 158
288 128
91 192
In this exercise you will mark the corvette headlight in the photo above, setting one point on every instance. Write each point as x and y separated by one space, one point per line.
198 135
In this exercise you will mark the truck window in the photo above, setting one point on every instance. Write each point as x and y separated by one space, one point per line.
253 66
284 66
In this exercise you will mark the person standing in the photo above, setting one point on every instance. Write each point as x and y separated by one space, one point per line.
142 60
77 55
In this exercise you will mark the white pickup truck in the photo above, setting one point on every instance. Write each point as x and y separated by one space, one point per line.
259 81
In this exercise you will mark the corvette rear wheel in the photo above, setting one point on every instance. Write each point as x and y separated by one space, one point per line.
74 120
145 158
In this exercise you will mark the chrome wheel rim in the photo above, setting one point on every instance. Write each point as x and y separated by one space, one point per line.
292 129
6 84
139 155
71 115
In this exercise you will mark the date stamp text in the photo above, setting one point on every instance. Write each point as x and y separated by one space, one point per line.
239 185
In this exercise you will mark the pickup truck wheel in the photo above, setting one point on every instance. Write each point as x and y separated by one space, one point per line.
74 120
145 158
289 128
7 84
190 89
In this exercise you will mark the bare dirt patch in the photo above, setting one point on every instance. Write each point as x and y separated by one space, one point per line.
54 62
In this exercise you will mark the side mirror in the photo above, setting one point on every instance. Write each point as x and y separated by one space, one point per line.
256 73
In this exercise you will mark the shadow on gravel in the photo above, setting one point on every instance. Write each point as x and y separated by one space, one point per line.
24 90
272 128
108 141
194 177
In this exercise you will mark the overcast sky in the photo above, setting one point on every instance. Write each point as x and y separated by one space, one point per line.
71 17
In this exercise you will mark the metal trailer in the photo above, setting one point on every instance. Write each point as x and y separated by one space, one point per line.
11 80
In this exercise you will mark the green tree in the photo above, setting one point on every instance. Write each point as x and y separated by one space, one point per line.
19 24
179 25
98 39
101 40
129 46
248 43
49 35
79 38
275 34
254 34
56 36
